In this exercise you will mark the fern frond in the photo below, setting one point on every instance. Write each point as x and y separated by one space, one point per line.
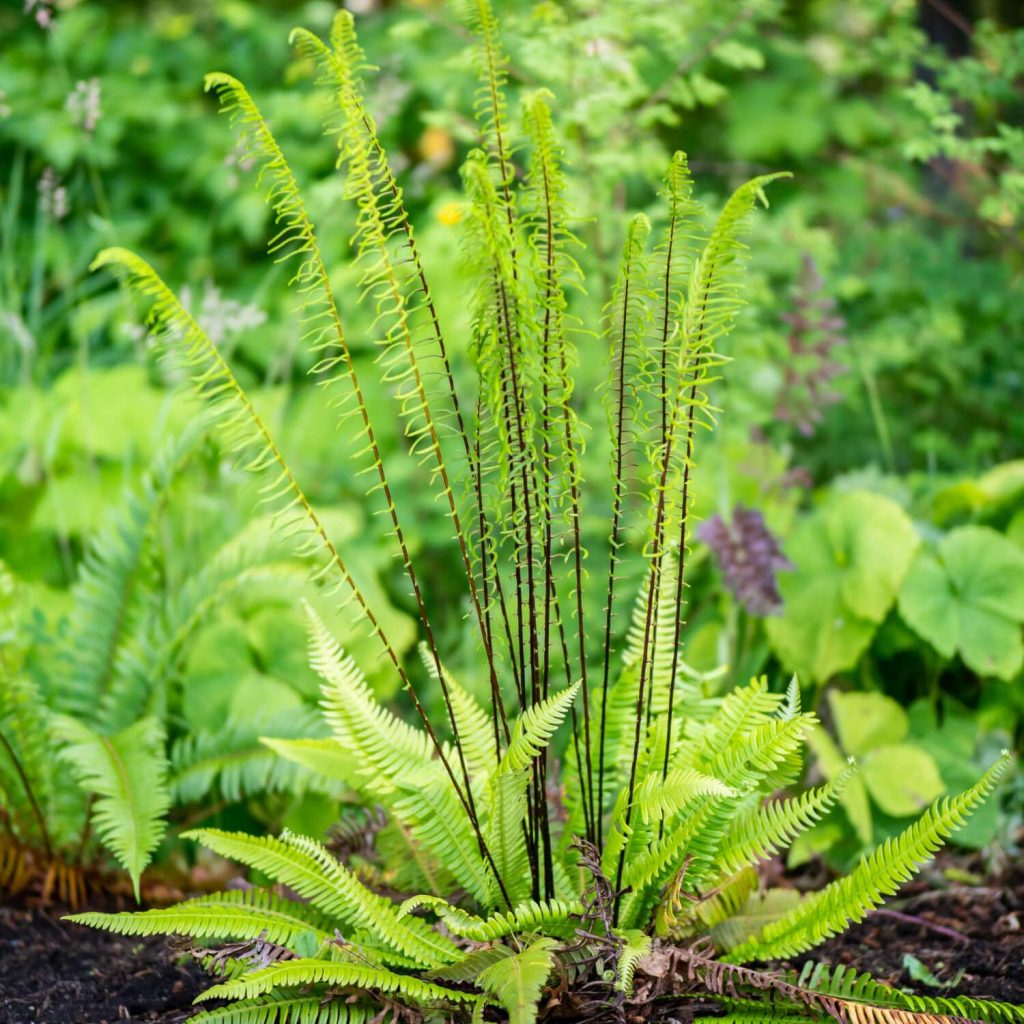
474 726
242 429
286 1008
111 574
636 944
246 914
466 970
517 981
308 868
535 727
128 774
292 973
26 755
849 899
326 758
386 749
659 798
847 984
531 916
237 762
766 829
149 662
428 806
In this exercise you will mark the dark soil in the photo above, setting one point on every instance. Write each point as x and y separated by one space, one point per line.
976 929
53 972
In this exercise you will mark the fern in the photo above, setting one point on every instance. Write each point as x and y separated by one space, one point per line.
879 875
301 971
237 762
636 944
516 981
313 873
275 1008
653 830
246 914
128 774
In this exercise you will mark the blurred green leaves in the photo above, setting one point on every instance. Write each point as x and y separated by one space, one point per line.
967 598
850 558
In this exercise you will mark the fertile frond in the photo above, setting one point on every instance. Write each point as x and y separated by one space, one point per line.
241 427
879 875
128 774
517 980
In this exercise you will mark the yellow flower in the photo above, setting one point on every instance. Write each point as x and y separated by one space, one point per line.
436 147
450 213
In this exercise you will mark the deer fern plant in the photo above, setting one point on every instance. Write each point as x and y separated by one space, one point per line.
503 880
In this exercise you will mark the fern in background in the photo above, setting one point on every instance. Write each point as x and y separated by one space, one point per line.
639 857
105 708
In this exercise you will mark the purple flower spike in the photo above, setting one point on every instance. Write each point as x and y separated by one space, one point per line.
748 556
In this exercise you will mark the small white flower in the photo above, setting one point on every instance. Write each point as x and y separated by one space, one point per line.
53 196
42 11
219 317
83 104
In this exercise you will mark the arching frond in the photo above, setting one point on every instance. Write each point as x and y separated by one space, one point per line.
285 1008
244 914
314 874
293 973
128 774
879 875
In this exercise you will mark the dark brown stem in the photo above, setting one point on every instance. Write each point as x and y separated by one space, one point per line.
37 813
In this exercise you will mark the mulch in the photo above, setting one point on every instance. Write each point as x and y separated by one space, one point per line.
53 972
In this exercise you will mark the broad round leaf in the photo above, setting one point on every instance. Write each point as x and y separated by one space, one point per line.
851 557
865 721
902 779
968 598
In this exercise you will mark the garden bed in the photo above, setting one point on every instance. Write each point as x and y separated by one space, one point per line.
976 929
52 972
